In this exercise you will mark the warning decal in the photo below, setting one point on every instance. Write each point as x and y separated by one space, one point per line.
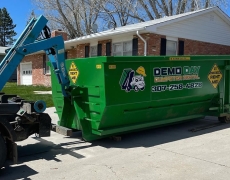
215 76
73 72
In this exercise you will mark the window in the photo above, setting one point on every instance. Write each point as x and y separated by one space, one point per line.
122 48
27 72
46 68
127 48
117 49
93 51
171 47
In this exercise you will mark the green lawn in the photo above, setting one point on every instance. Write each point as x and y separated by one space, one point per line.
27 92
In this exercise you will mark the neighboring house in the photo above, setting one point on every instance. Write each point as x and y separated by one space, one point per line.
2 55
2 52
199 32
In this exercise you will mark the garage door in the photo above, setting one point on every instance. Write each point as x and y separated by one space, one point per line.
26 73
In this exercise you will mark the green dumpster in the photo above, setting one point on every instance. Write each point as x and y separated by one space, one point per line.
115 95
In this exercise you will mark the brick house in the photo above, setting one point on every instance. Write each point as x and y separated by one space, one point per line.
201 32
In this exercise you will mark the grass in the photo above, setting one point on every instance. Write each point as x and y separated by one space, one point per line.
27 92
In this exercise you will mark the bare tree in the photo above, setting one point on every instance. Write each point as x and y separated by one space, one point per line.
123 12
32 15
76 17
154 9
116 12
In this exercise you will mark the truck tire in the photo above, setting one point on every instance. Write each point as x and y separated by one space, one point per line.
3 151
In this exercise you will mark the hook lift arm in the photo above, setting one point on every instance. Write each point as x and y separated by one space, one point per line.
27 43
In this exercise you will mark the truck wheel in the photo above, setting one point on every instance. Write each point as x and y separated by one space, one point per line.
224 119
2 151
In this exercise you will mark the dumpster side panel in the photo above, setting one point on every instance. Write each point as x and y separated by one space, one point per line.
164 88
147 89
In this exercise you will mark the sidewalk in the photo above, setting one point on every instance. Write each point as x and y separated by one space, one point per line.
43 92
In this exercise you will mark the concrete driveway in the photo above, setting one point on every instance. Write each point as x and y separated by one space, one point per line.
171 152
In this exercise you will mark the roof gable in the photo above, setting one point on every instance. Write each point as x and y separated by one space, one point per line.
208 27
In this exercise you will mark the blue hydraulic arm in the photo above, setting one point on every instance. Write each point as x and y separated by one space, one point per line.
28 44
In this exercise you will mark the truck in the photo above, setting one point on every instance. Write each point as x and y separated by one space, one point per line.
21 118
108 96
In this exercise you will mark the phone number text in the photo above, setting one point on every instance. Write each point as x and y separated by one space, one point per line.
176 87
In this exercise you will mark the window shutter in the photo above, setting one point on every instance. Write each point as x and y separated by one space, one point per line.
108 49
135 47
44 64
86 51
99 49
66 55
163 47
181 48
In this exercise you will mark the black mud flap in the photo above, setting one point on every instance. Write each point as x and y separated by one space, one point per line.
12 151
15 153
44 125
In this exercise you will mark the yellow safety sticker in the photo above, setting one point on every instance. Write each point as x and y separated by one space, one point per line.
73 72
98 66
215 76
179 58
112 66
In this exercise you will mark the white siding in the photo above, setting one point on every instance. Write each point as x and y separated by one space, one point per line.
2 50
122 38
93 43
208 28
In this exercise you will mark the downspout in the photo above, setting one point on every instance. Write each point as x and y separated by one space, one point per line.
145 50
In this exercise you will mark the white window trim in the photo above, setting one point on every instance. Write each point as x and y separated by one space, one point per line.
171 38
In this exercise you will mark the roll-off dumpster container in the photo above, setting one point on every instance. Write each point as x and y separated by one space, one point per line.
114 95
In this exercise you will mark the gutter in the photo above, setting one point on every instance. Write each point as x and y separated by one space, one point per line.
101 35
145 50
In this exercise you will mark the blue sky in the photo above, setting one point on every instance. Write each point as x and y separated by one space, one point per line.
20 10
